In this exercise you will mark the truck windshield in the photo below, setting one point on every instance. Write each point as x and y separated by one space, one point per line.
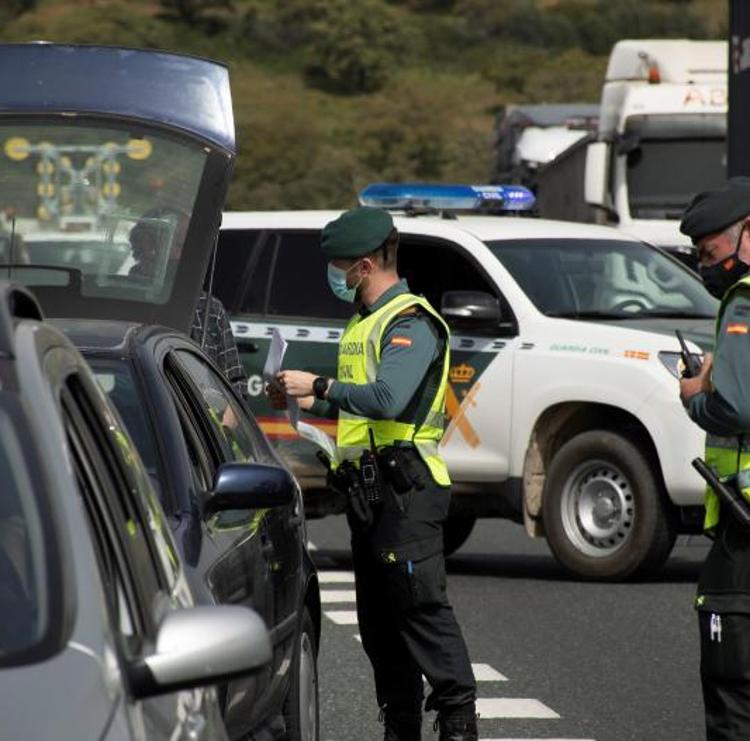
603 279
664 174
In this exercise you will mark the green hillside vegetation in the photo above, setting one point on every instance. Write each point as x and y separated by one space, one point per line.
332 94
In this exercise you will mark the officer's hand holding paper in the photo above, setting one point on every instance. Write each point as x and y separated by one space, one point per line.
280 399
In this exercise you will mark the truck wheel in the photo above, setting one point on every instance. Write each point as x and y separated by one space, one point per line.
456 531
605 516
301 707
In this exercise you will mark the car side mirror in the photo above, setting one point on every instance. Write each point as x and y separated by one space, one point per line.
471 309
250 486
200 646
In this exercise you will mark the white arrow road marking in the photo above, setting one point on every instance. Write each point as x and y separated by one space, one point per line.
504 707
338 595
335 577
485 673
342 617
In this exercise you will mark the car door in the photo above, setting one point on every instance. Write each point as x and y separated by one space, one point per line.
138 563
477 440
276 278
257 553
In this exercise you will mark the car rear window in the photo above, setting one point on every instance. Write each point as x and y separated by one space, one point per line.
275 273
96 208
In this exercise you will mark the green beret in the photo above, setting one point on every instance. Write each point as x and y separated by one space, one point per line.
356 233
714 210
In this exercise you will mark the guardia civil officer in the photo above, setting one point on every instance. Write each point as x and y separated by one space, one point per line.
718 400
389 397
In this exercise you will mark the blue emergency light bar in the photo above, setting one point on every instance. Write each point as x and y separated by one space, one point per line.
436 197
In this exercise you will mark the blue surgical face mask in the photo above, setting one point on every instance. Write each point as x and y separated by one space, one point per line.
337 282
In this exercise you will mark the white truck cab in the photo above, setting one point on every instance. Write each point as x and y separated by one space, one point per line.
563 409
661 136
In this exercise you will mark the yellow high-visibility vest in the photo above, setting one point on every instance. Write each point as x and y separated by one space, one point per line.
358 361
726 455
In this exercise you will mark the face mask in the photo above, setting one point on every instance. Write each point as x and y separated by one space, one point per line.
720 277
337 282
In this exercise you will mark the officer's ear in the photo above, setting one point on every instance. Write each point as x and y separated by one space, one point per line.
367 265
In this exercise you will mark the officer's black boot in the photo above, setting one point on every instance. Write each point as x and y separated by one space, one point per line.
402 725
458 724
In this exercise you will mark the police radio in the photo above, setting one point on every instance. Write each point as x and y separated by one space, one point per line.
692 366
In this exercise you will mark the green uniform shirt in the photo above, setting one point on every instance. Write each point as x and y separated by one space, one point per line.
402 380
726 410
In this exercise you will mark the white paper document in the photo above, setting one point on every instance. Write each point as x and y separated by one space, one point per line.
276 352
309 432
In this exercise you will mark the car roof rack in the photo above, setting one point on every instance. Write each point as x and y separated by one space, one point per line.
16 302
443 199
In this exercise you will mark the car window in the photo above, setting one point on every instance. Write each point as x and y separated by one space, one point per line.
300 287
131 564
226 415
243 269
433 267
276 273
27 593
118 382
611 277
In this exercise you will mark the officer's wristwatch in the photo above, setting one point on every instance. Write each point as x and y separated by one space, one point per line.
320 386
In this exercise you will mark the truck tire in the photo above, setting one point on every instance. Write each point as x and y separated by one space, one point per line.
605 516
301 712
456 531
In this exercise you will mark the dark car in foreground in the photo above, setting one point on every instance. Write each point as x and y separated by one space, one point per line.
195 436
136 164
96 620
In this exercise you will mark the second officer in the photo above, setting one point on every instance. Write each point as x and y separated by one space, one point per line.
718 400
389 398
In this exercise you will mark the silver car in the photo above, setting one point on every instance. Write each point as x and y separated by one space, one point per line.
98 635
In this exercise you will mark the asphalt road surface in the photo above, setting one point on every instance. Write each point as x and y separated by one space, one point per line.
554 658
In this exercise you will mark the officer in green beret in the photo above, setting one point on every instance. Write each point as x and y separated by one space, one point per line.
389 399
718 400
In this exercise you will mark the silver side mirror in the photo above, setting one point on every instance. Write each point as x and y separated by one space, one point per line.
201 646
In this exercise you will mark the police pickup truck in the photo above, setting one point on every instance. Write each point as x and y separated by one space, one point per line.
563 409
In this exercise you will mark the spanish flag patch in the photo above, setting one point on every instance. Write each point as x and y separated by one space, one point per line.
737 328
401 341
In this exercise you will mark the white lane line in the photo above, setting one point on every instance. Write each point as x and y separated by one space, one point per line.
342 617
338 595
335 577
505 707
485 673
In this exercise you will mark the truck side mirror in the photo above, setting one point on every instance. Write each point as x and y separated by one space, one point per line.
471 309
597 174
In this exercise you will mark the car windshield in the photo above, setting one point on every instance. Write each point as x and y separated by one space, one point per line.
25 597
118 382
603 278
95 204
665 174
